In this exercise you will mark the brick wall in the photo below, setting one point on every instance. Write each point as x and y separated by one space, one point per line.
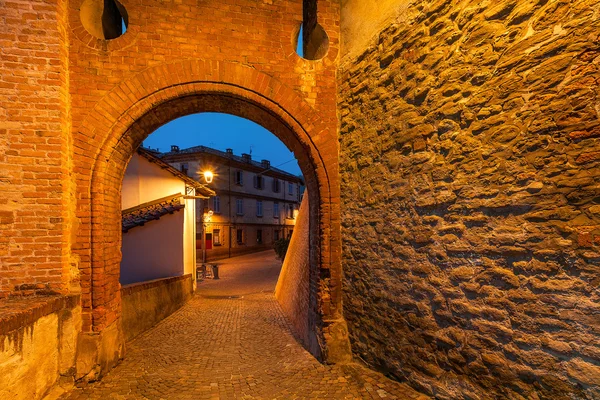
293 284
74 108
470 168
167 52
34 120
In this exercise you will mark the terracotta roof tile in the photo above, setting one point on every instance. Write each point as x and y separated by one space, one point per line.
153 210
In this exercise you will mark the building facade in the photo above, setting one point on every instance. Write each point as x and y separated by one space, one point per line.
158 213
254 205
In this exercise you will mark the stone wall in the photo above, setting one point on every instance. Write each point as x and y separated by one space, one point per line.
470 157
38 341
146 304
362 20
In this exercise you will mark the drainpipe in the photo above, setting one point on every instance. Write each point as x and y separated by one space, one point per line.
203 242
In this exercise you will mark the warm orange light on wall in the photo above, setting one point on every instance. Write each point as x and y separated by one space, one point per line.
207 216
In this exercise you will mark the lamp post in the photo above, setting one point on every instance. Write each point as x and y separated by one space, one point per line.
205 218
206 215
208 178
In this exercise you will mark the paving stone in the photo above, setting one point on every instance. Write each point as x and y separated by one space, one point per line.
232 341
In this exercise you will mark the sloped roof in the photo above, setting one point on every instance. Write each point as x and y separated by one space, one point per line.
201 189
150 211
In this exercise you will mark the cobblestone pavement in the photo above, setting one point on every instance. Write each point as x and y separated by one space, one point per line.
231 341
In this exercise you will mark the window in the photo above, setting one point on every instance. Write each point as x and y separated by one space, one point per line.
217 237
276 234
239 234
290 210
276 185
275 210
259 236
217 204
184 168
239 206
290 188
259 182
259 208
239 178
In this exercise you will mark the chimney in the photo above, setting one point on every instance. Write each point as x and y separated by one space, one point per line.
174 148
265 163
246 157
229 152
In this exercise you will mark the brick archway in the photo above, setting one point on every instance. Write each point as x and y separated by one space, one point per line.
126 116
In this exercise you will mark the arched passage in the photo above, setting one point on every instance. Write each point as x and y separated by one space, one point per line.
126 116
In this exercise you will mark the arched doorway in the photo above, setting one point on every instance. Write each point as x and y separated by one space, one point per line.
133 111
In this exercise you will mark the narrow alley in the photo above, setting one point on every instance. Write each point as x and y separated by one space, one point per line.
232 341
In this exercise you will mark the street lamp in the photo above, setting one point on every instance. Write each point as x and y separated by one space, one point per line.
208 176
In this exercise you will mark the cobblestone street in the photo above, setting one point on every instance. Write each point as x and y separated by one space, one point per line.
232 341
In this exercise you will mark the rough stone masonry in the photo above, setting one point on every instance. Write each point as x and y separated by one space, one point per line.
468 155
470 165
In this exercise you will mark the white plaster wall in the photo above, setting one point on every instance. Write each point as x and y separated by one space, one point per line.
145 181
155 250
130 192
162 248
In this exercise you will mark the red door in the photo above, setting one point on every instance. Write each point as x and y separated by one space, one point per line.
208 241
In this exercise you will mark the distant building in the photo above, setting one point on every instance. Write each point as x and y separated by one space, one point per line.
158 220
255 203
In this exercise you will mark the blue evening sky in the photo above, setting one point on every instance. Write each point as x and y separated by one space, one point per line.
300 45
222 131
